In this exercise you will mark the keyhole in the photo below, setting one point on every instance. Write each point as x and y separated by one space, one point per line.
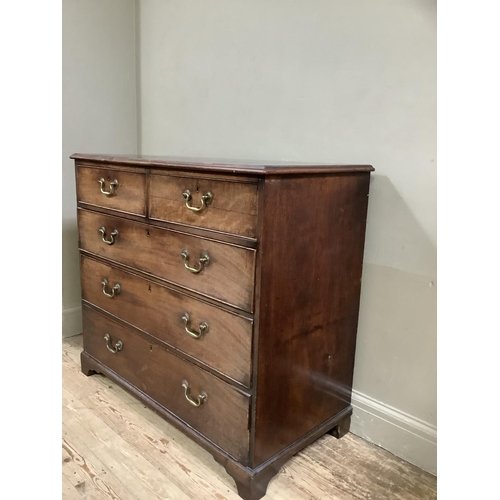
151 348
147 233
109 178
149 287
197 186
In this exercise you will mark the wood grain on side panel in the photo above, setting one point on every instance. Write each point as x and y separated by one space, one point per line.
311 254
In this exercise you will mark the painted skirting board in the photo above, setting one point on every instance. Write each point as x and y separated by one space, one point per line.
403 435
72 321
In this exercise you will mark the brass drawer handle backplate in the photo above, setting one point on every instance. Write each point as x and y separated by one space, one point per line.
114 291
204 260
112 236
206 199
202 398
118 345
113 186
203 327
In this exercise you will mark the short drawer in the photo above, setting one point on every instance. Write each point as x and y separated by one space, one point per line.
114 189
222 415
230 207
226 272
218 338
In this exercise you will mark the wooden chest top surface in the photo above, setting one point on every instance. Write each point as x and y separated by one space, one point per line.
248 167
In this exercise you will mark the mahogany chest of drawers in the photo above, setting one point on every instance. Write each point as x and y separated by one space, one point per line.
225 296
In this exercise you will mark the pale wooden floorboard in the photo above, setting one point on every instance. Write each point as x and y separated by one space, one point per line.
114 448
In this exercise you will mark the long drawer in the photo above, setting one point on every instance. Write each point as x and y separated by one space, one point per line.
218 338
218 270
209 203
222 413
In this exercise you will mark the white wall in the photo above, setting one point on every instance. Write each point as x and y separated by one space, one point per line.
99 111
323 80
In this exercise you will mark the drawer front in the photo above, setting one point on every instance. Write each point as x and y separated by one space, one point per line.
127 195
226 339
229 275
223 417
232 207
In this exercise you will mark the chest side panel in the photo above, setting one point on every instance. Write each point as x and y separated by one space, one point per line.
311 255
